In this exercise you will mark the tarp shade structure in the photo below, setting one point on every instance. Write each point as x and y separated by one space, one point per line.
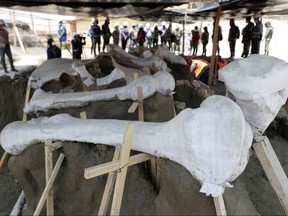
243 8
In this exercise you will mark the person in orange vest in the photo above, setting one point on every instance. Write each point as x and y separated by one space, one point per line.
200 68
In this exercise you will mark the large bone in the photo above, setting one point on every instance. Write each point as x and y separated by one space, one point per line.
260 85
211 142
161 82
168 56
154 63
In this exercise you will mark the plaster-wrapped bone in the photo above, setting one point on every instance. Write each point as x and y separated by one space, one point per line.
161 82
260 85
164 53
211 142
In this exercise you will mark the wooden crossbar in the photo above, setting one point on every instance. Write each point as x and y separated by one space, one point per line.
49 185
273 170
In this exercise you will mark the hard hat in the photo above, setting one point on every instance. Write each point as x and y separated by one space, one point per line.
116 24
121 27
147 25
140 26
133 24
2 22
125 24
163 23
94 20
75 34
155 25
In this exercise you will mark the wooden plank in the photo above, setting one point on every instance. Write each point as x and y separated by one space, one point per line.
112 166
273 170
214 50
28 88
20 39
121 176
136 75
140 104
49 185
133 107
286 106
4 158
108 187
48 172
83 115
219 205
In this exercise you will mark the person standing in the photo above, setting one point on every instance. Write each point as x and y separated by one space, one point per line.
268 37
116 34
195 40
141 36
178 35
163 33
205 40
220 36
106 33
257 34
95 34
62 35
133 35
148 33
234 34
77 44
125 35
5 48
246 37
156 34
169 36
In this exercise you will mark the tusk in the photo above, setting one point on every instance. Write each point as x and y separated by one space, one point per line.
211 142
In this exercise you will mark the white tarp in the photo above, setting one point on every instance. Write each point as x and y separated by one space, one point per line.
260 85
211 142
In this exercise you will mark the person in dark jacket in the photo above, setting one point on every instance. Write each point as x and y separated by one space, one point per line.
77 44
95 33
246 37
106 33
234 34
141 35
257 34
205 40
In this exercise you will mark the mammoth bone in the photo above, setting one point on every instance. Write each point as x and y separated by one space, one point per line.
211 142
161 82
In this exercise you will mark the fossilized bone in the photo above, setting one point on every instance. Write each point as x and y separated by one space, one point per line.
211 142
161 82
259 84
154 63
168 56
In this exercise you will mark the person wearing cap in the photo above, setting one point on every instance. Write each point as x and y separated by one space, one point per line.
5 48
124 35
77 44
133 35
204 40
106 33
234 34
268 37
116 34
95 33
257 34
246 37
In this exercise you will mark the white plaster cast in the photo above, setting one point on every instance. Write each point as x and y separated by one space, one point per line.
259 84
161 82
211 142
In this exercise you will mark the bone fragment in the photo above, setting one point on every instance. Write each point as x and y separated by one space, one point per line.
168 56
161 82
211 142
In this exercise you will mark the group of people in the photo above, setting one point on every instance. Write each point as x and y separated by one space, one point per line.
252 35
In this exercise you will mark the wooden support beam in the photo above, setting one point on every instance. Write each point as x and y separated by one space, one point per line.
3 160
27 95
121 176
114 165
20 39
108 187
286 106
140 104
49 185
48 172
215 44
220 205
83 115
133 107
273 170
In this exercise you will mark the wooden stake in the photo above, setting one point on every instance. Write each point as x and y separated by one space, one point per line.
109 187
273 170
4 158
219 205
49 185
20 39
28 88
133 107
140 104
83 115
48 172
121 175
215 43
